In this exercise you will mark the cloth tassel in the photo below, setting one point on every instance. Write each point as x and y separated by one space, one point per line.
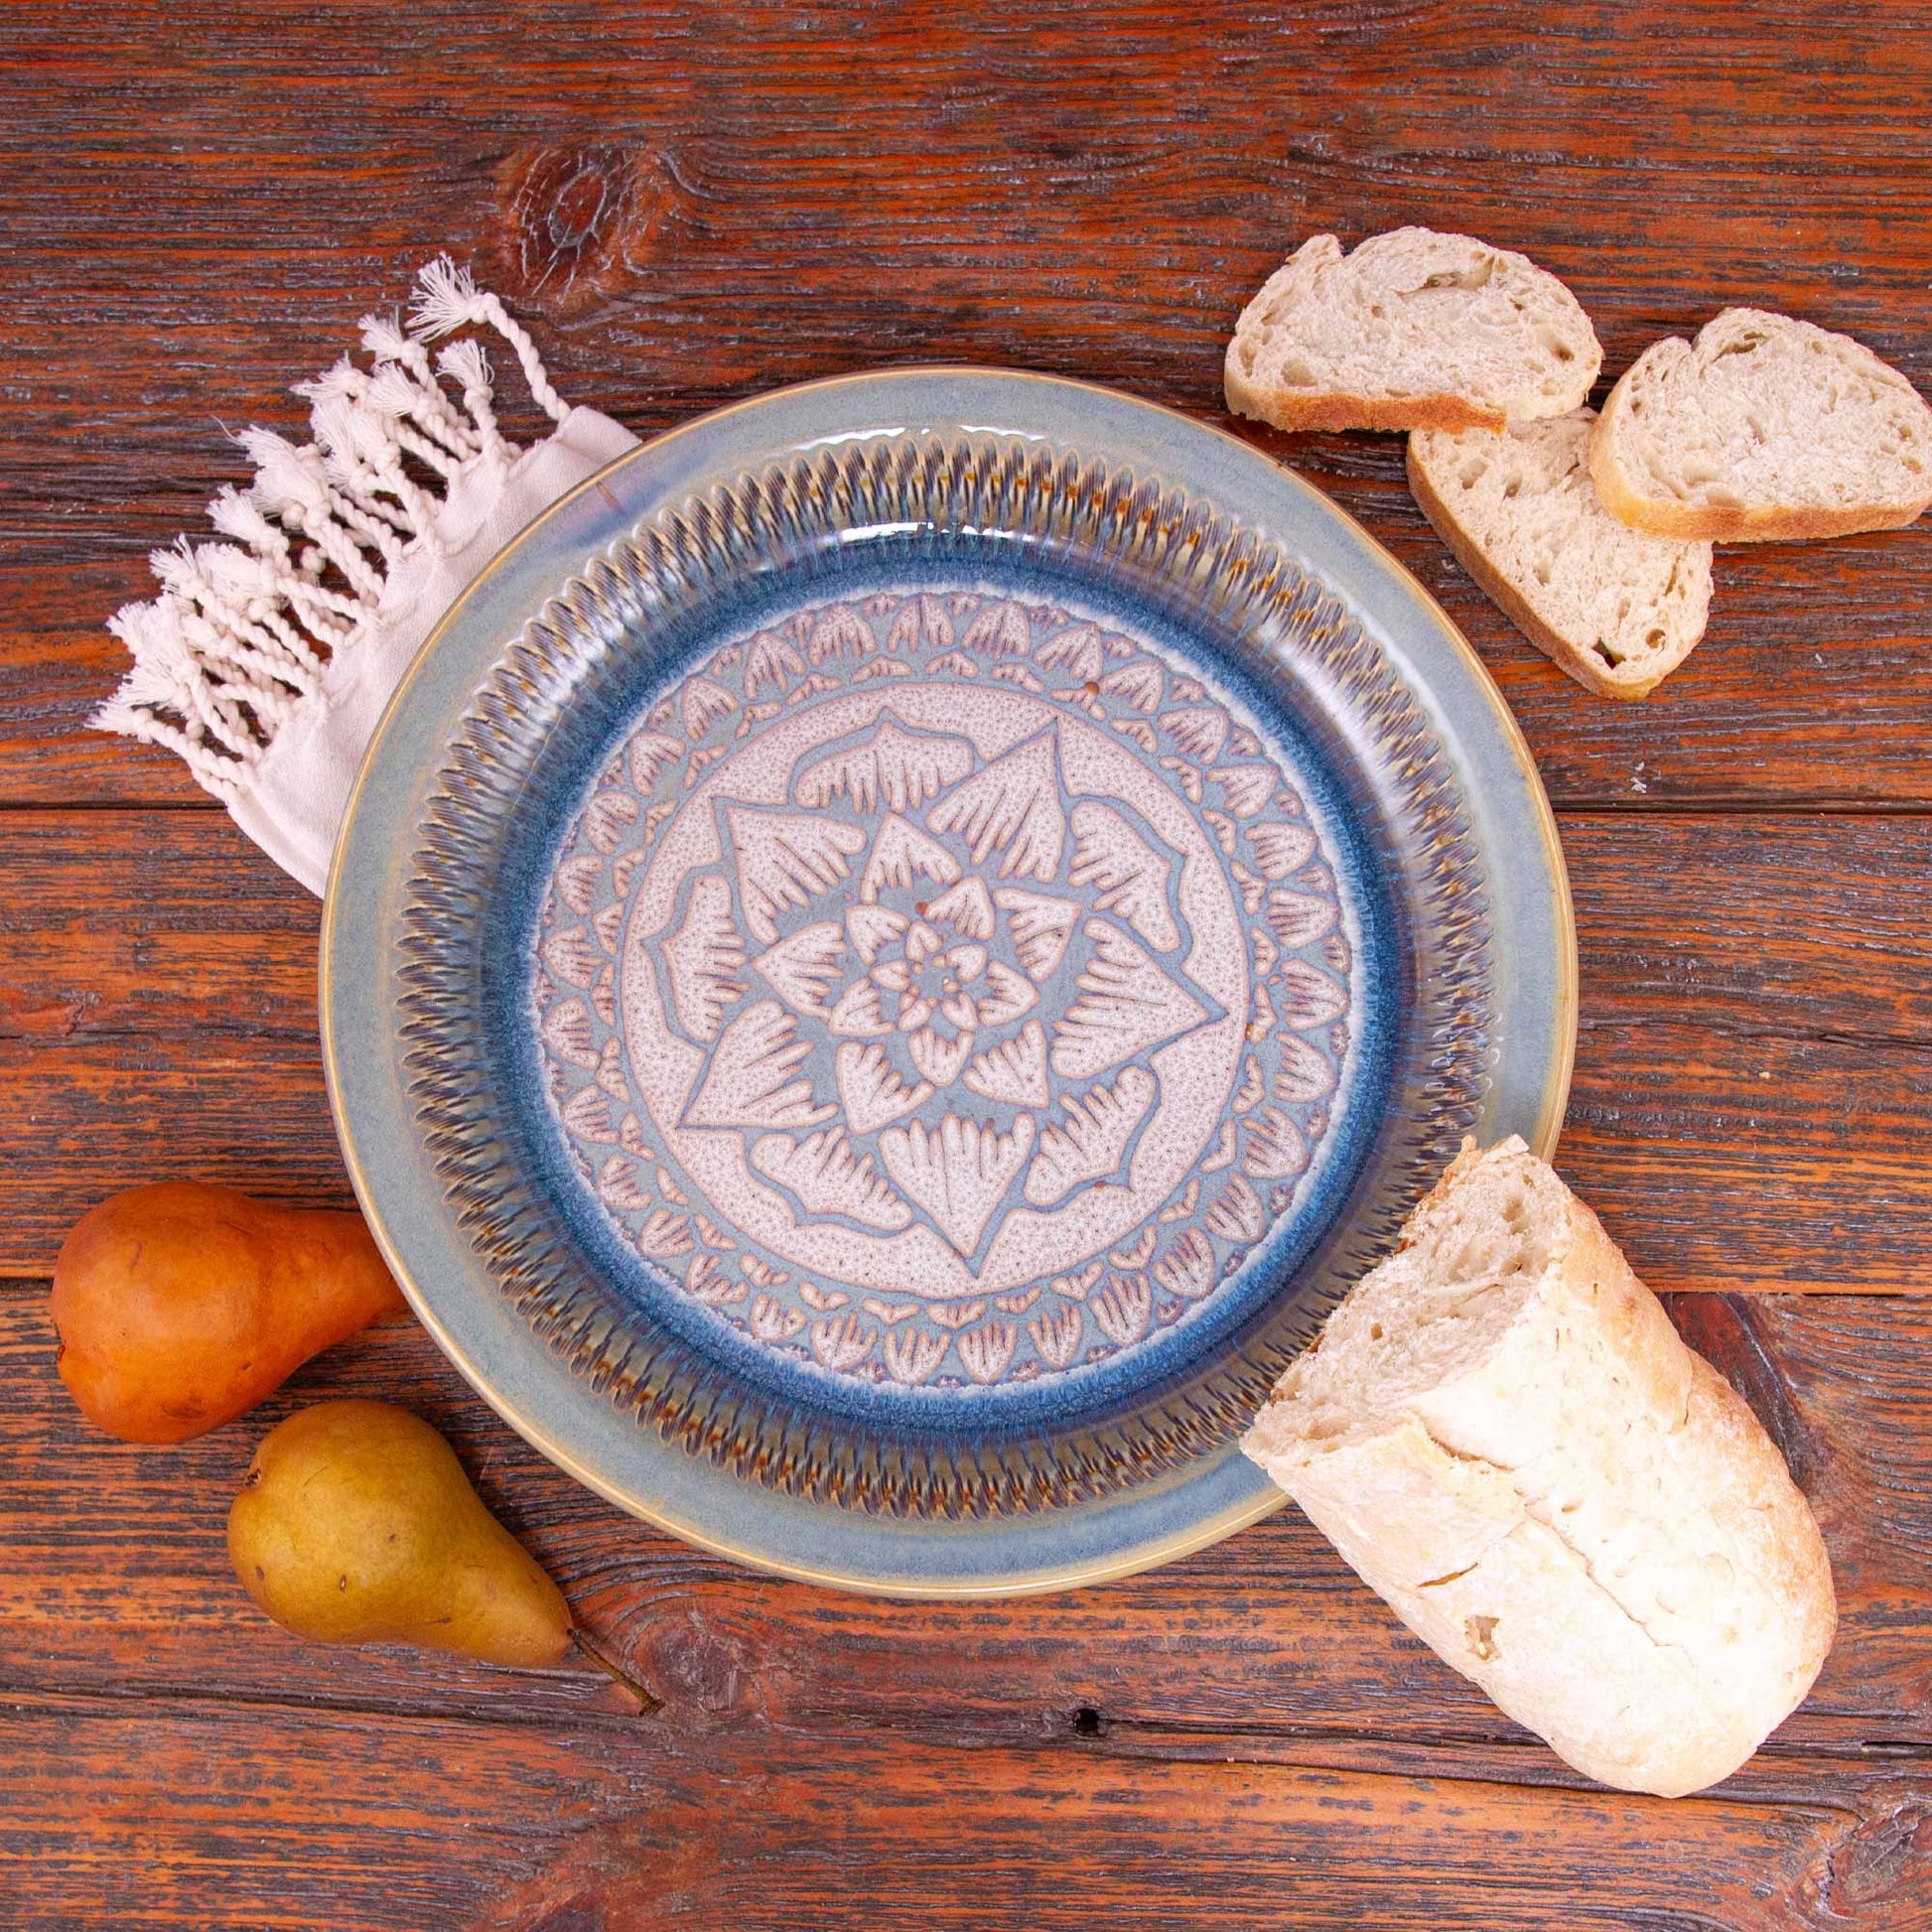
231 653
268 656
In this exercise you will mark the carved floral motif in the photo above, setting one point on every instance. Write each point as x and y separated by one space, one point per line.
934 1023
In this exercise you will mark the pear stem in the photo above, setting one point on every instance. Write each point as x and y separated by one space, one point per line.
615 1672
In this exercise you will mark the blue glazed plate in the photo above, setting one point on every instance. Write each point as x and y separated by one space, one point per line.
901 947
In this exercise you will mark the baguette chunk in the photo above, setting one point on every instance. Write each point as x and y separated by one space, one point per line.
1502 1434
1616 609
1412 330
1765 429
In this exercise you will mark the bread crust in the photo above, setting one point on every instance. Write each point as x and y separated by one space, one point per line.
1580 1515
1323 409
1584 666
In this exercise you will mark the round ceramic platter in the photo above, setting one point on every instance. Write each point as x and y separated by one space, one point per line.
900 948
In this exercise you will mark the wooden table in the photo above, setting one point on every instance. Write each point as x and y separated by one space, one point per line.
690 205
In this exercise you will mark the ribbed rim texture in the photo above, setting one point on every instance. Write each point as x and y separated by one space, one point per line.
926 495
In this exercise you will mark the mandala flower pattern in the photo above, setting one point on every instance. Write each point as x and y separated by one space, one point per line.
946 992
955 1005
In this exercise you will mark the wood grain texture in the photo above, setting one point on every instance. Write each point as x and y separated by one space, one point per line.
1267 1636
418 1823
690 205
1755 1058
1753 1096
661 187
131 1658
847 1838
850 1841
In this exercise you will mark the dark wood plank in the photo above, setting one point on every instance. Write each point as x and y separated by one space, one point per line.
952 189
1751 1105
102 1113
58 662
150 926
762 1833
899 1838
1813 684
117 1582
815 1754
1754 1060
153 1814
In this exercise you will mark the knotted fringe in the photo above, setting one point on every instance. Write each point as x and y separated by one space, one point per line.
234 647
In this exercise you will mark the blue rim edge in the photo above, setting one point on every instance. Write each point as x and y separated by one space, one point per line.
506 973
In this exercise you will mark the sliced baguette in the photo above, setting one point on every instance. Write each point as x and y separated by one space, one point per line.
1765 429
1502 1434
1617 610
1414 330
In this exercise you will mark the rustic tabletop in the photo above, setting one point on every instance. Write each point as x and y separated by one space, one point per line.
690 205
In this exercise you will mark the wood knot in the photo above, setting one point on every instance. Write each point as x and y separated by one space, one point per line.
703 1671
584 1914
1868 1874
574 220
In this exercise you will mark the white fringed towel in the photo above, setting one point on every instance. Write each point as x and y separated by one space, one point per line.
266 660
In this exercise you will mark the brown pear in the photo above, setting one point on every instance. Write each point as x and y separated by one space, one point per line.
180 1305
357 1525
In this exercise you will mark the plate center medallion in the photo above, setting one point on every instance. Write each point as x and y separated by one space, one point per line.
947 991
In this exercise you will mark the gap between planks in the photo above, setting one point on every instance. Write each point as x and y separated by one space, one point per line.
1446 1756
23 1280
1563 804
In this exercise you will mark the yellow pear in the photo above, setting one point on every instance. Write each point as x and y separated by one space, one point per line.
357 1525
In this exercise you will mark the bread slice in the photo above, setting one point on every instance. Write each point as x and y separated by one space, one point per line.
1502 1434
1765 429
1414 330
1619 611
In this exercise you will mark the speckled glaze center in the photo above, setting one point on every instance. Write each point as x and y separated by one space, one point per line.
945 991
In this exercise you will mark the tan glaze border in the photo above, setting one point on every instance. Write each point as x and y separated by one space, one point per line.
1555 1094
1201 1535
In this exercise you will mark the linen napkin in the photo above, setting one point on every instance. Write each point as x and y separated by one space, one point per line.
266 660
